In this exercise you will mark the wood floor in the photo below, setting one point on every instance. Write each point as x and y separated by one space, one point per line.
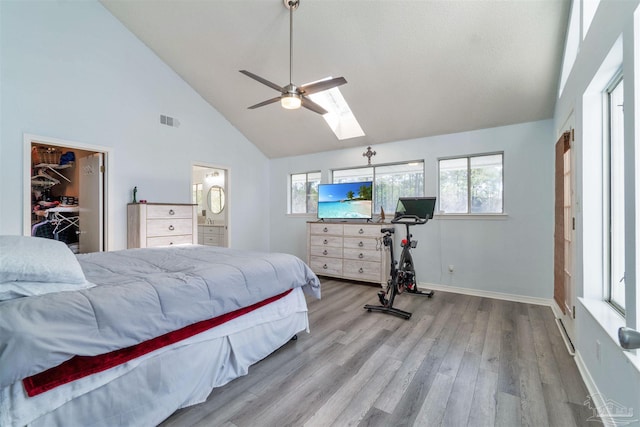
459 361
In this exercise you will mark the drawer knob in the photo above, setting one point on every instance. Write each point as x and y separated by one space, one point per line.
360 270
171 228
170 243
361 256
324 252
325 229
361 231
171 212
325 241
325 266
361 244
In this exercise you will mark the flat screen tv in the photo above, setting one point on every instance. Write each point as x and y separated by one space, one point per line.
347 200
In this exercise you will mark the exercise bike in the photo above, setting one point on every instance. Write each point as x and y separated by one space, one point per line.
406 260
403 277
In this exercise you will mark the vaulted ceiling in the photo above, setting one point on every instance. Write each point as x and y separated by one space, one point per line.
414 68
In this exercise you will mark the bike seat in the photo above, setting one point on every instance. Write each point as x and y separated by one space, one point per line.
388 230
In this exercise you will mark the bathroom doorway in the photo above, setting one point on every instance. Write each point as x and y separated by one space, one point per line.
210 191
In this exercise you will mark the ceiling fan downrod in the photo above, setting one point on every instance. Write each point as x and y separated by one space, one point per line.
291 5
292 100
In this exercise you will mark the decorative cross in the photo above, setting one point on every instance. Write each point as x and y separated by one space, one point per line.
368 154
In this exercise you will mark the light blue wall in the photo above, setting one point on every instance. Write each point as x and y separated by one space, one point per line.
613 374
71 71
510 255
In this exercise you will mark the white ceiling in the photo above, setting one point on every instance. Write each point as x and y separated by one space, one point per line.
414 68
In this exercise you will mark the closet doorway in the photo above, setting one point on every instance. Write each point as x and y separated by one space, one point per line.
65 192
210 191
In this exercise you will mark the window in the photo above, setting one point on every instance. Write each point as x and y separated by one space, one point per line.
471 184
615 196
196 196
390 182
303 197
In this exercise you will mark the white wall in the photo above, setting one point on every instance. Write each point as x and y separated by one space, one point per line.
70 70
613 374
510 255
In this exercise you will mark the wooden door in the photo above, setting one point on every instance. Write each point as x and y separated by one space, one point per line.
563 224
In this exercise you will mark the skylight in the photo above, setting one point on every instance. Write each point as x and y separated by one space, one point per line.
339 117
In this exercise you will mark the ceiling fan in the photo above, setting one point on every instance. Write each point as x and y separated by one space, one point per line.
292 96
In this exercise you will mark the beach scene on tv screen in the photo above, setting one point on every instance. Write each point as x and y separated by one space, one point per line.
345 200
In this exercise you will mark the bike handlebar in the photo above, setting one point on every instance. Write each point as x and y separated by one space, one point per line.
404 219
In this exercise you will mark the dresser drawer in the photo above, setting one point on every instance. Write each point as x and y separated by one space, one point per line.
210 230
169 211
169 240
334 241
212 241
328 266
362 270
362 230
367 244
169 227
362 255
326 251
326 229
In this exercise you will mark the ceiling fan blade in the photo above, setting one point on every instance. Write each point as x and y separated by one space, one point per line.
309 104
323 85
263 81
267 102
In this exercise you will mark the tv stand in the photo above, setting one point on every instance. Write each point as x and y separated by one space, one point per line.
349 250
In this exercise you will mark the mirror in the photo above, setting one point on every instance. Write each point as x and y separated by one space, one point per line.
215 199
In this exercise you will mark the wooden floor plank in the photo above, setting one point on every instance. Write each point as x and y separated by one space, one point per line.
459 403
483 401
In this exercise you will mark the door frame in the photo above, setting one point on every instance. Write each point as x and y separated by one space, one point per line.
107 153
567 318
227 191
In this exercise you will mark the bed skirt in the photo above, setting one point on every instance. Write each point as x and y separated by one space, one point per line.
147 390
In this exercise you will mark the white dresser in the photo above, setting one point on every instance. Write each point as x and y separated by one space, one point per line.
155 224
349 251
211 235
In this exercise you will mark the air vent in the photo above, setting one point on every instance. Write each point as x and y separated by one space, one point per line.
169 121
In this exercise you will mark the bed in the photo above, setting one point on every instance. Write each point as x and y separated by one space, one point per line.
128 337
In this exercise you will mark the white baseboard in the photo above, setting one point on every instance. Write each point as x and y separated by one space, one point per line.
597 399
489 294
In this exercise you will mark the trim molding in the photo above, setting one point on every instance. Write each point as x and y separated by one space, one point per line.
490 294
604 415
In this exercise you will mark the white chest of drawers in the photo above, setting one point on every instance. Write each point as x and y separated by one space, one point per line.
155 224
349 251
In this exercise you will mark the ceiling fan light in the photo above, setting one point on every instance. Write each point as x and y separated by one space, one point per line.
291 101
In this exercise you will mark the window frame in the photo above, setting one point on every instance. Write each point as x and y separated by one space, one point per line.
608 260
196 193
373 178
469 214
290 195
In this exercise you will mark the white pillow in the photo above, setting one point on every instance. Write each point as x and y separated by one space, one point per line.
36 259
11 290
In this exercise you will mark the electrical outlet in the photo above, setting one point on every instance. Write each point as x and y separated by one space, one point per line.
598 350
450 268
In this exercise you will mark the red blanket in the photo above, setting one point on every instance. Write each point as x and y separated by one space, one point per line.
81 366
